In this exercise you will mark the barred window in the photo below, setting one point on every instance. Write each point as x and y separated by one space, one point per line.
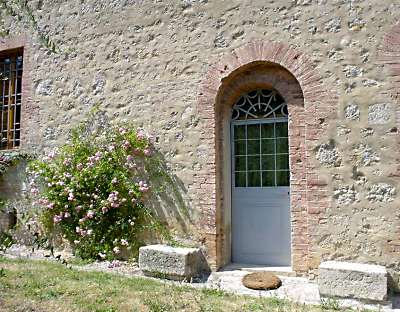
10 98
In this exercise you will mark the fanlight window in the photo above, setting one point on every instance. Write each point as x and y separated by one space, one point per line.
259 104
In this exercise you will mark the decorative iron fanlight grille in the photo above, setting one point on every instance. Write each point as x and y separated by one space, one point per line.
260 104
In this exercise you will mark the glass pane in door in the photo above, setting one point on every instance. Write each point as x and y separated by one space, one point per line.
261 154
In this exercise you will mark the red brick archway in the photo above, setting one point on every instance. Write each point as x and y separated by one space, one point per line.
289 71
389 56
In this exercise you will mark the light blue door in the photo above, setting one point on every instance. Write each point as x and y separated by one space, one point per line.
260 187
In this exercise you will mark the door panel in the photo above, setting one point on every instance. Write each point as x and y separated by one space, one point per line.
261 231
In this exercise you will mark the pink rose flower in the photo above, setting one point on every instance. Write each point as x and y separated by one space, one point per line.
71 197
43 201
57 218
126 144
90 214
67 162
143 187
52 154
140 134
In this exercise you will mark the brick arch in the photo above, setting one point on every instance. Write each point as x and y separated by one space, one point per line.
314 104
390 57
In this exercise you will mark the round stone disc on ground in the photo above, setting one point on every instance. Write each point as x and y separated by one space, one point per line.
261 281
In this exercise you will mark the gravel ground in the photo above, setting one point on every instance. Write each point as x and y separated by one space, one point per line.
296 289
121 267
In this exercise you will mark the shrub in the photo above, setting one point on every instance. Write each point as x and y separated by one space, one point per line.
93 190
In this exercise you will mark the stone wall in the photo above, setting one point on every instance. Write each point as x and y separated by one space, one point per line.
145 61
12 191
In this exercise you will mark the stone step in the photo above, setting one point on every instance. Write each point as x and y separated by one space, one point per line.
280 270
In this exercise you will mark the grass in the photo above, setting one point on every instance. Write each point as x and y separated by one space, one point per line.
27 285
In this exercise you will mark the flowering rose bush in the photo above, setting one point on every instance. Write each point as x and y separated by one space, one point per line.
93 189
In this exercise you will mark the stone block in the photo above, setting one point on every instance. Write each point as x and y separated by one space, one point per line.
381 192
379 113
174 263
352 112
328 155
353 280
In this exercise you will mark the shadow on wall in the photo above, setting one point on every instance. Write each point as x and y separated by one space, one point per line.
12 182
167 199
12 190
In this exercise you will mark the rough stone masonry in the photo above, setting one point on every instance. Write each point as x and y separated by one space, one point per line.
352 280
147 60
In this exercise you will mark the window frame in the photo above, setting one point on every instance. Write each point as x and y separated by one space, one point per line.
10 99
30 118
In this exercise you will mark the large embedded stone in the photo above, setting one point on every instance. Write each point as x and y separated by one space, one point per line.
45 87
345 194
352 112
172 262
352 280
381 192
328 155
379 113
